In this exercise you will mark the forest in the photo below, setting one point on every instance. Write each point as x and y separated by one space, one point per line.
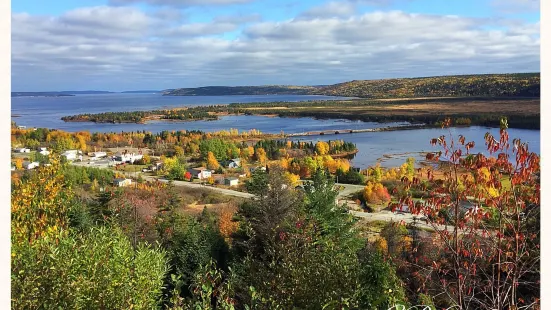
142 116
482 85
157 246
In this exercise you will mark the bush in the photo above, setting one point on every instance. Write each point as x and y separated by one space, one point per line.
96 270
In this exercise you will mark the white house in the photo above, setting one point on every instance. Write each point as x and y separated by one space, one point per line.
200 173
30 165
44 152
128 157
97 155
234 163
122 182
23 150
72 154
231 181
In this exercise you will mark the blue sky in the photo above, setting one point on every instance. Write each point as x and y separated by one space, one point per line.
159 44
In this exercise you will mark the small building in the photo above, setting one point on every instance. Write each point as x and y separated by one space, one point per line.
12 168
44 152
128 157
200 173
233 163
155 166
21 127
98 155
120 182
23 150
70 154
231 181
30 165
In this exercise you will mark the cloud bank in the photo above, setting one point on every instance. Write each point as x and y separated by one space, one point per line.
120 48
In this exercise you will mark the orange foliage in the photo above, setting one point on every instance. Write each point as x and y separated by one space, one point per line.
376 193
226 225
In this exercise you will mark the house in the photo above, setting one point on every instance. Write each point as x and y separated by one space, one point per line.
122 182
128 157
233 163
231 181
12 168
30 165
21 127
44 151
155 166
97 155
200 173
23 150
72 154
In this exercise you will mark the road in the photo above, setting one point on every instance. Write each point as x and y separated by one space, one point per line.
348 189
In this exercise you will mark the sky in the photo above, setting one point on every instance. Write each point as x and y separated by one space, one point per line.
120 45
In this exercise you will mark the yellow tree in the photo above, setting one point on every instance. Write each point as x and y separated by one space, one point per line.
292 178
39 205
212 162
261 155
178 151
19 164
146 159
322 148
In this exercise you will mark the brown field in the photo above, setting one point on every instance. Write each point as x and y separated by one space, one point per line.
516 107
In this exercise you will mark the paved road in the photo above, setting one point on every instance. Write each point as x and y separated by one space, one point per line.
347 191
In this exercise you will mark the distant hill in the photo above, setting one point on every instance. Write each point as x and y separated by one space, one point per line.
142 91
242 90
39 94
58 93
481 85
486 85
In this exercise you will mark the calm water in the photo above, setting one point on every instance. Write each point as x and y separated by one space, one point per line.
391 148
47 111
373 146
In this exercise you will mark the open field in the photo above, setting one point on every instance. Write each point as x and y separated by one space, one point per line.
522 113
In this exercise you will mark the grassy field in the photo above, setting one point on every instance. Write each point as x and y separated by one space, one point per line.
522 113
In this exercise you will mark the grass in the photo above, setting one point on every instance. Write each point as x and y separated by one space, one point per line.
131 168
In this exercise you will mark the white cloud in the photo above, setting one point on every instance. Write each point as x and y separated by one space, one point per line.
100 48
331 9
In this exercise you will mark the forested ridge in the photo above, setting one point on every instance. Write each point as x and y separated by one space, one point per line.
481 85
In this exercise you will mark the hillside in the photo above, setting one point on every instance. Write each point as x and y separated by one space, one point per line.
485 85
242 90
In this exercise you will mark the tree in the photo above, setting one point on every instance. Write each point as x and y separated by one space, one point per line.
490 257
105 272
178 151
322 147
18 163
146 159
212 163
39 204
260 155
293 179
376 193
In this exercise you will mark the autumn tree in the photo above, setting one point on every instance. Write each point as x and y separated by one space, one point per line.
322 147
260 155
489 258
376 193
212 163
18 163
